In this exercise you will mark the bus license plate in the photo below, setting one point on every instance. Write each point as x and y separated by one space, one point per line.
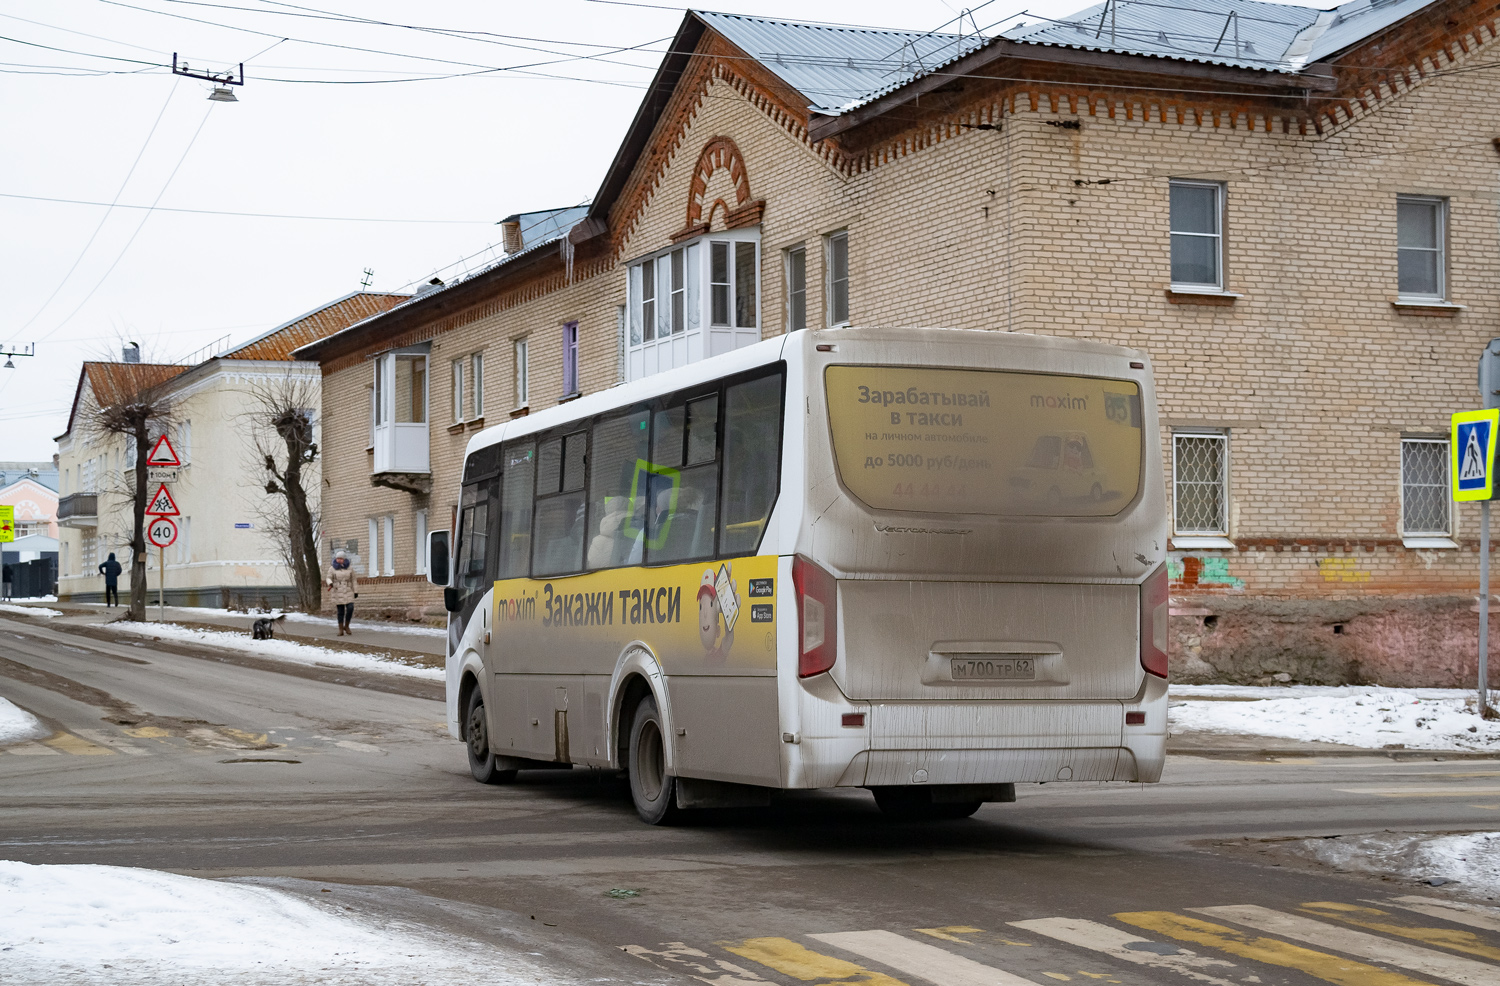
992 668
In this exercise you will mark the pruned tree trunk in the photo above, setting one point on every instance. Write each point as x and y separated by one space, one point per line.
282 426
140 434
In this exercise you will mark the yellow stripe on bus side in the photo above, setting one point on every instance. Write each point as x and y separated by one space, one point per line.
799 962
1321 965
1367 917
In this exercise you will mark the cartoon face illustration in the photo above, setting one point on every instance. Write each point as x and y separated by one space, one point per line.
708 617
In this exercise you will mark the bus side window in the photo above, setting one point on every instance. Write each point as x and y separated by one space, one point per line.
752 461
474 534
557 545
683 504
617 523
519 463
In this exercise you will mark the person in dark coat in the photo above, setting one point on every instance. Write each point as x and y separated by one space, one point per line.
111 572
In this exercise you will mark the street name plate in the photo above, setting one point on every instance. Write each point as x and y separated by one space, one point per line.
992 668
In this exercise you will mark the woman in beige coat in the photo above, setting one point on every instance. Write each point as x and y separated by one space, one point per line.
343 589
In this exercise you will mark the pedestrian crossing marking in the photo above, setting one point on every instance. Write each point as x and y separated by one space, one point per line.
800 962
148 732
105 739
1359 943
1320 965
1127 947
1368 917
77 745
1459 912
32 750
936 965
952 932
1342 955
676 956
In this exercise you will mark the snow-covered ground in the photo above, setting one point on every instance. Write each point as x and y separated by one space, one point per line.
1470 860
1370 717
384 626
282 650
18 724
29 610
112 924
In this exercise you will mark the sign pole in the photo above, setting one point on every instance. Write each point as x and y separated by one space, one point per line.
161 589
1484 608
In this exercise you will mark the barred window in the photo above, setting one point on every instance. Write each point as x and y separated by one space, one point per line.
1200 483
1426 509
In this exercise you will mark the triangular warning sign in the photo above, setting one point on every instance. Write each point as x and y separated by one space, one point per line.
1472 467
161 503
162 454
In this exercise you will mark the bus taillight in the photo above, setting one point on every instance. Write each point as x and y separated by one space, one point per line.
817 617
1155 615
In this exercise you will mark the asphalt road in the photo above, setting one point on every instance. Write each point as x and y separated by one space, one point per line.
217 769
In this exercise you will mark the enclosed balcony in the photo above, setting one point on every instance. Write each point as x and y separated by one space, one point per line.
399 424
78 510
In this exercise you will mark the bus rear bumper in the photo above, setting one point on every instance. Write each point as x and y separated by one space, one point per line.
898 768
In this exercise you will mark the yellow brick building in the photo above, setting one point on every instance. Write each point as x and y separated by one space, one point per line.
1298 221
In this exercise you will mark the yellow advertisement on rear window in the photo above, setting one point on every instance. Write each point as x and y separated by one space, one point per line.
985 441
709 617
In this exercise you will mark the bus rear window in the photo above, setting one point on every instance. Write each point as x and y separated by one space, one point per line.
985 441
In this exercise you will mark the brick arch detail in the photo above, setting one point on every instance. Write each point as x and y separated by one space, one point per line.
720 152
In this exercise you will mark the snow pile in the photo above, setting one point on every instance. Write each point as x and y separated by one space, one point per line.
18 724
316 619
30 610
1471 860
282 650
1370 717
112 924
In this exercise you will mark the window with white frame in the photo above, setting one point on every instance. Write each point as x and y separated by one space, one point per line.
838 277
1197 224
184 443
1200 483
184 542
523 373
1426 505
691 301
1421 234
400 387
476 378
373 561
389 554
570 359
796 288
457 366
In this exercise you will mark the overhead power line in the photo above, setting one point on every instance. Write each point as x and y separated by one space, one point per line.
249 215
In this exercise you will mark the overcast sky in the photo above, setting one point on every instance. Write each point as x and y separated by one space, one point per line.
432 127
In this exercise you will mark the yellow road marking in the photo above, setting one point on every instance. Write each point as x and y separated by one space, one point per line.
791 959
254 739
1320 965
148 732
1058 975
77 745
951 933
1367 917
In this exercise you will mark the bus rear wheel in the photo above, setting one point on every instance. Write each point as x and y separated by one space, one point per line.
915 804
653 790
477 739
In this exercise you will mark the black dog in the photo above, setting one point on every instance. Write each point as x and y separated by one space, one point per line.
265 629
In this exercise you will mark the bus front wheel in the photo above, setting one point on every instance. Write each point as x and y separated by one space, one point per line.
477 738
652 789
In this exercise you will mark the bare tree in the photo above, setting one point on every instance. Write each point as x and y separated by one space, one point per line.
134 401
282 410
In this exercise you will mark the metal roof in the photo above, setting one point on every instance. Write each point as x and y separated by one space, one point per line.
278 343
547 225
837 67
1272 37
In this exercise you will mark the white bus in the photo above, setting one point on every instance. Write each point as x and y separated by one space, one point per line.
930 563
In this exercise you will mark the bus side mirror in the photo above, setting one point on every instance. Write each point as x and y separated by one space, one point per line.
437 558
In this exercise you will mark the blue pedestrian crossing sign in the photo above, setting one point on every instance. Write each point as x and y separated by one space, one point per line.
1473 454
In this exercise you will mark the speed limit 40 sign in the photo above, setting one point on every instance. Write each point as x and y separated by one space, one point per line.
162 532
